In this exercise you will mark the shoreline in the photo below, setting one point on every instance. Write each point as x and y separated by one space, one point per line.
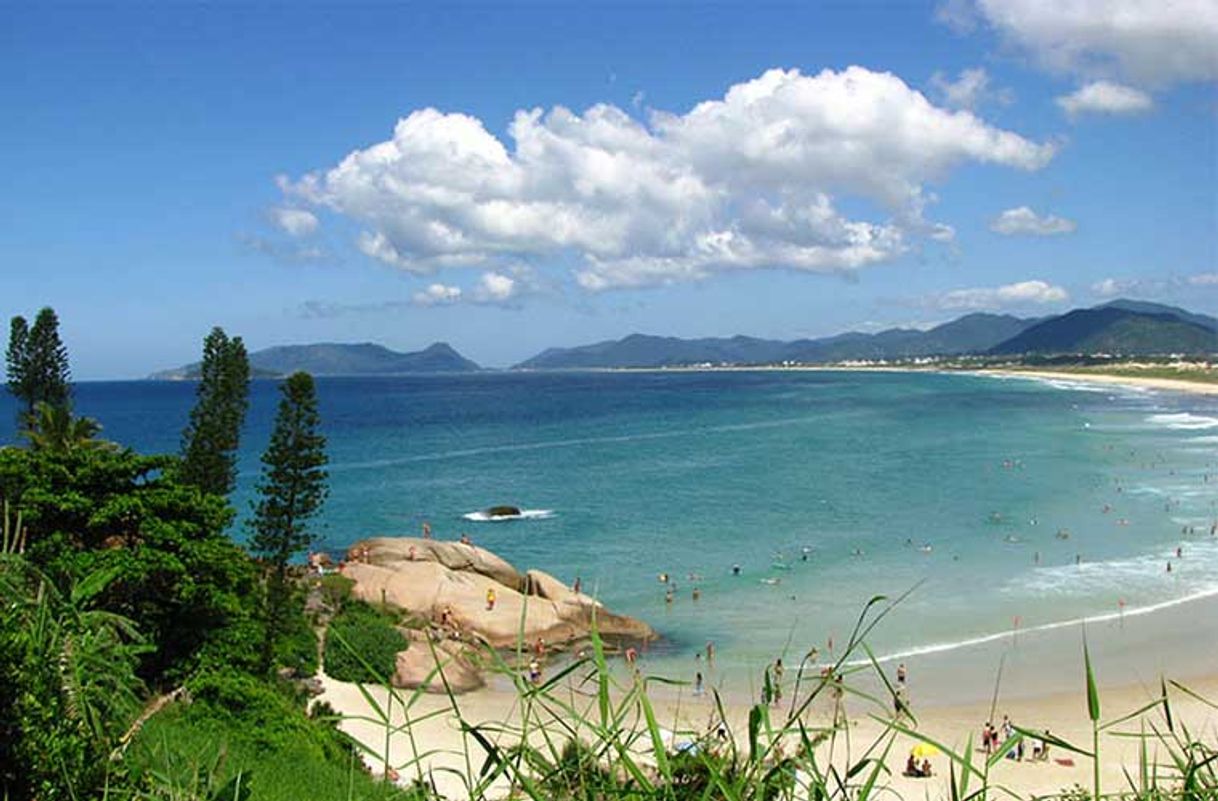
1115 379
1139 382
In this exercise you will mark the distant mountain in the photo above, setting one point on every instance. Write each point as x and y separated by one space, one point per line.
974 333
331 358
1146 307
1114 329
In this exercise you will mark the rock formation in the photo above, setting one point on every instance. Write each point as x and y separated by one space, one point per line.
447 583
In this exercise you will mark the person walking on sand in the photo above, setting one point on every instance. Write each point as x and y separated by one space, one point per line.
710 651
490 599
901 673
698 683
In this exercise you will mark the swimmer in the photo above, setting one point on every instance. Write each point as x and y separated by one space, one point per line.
735 570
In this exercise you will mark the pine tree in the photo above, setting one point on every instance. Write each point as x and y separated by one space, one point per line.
38 363
17 358
209 443
292 490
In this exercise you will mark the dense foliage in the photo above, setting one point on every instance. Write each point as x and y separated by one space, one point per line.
362 644
175 572
210 440
69 682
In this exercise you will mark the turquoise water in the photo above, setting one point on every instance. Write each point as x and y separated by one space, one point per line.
690 473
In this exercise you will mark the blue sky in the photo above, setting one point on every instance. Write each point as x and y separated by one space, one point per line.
774 170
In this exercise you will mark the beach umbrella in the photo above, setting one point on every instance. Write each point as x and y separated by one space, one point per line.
924 750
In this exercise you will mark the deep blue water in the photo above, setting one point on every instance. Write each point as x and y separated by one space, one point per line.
689 473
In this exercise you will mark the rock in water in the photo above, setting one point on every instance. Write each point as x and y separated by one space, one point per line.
503 511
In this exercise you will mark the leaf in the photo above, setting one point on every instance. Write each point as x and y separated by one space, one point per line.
1093 695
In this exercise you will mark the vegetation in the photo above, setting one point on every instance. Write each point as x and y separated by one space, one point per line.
362 644
209 443
38 362
292 490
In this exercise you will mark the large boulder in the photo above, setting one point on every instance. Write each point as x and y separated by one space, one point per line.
417 666
450 581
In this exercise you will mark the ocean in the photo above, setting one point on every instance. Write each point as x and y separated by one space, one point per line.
1008 506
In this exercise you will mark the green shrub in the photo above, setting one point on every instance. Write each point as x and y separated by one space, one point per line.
335 589
360 634
297 646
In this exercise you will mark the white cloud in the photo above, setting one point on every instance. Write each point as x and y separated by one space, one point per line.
1203 279
969 90
1023 220
437 295
1024 293
1105 97
297 222
748 181
1144 41
495 288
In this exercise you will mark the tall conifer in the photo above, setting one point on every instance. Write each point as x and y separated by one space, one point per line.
291 492
211 438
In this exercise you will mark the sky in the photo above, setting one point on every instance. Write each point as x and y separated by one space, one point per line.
511 177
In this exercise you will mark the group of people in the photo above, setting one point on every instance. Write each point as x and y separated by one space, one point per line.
993 738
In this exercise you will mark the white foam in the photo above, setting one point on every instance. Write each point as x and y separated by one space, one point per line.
940 647
1183 421
525 514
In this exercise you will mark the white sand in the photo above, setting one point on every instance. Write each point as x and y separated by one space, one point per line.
448 752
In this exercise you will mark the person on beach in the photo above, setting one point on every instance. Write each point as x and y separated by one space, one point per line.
410 553
535 672
465 540
576 586
697 593
901 673
710 651
632 656
426 530
490 599
698 683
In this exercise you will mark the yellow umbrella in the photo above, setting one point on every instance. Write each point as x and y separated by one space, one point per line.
924 750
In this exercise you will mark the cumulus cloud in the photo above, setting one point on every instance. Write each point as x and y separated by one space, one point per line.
1023 293
969 90
1024 221
297 222
747 181
1105 97
1145 41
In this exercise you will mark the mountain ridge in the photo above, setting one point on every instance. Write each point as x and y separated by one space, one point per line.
341 358
1123 327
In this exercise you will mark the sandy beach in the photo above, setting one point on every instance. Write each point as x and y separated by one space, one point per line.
1035 678
1143 382
448 753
